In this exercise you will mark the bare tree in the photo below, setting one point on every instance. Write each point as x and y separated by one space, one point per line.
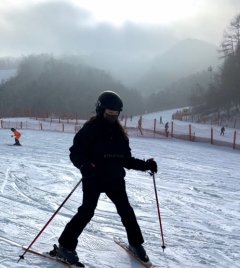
231 38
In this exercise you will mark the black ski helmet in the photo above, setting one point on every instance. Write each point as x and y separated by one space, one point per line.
108 100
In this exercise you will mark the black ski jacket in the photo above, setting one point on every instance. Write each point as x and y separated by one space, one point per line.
105 146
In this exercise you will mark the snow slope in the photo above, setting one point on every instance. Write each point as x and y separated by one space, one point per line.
198 190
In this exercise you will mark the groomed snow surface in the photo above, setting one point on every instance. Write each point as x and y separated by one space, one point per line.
198 190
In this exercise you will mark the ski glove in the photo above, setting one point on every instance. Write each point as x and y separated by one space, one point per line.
88 170
151 165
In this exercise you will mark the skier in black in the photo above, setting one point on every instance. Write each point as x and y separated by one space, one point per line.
166 127
161 122
101 151
222 131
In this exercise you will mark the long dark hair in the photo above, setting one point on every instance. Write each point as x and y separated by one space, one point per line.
118 124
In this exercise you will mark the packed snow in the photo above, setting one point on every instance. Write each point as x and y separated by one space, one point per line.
198 190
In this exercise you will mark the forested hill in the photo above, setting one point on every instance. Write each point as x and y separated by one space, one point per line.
43 82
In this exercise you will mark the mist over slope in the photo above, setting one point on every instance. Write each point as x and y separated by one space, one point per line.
187 57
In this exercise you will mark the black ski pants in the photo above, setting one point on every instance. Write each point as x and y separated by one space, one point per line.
17 142
69 236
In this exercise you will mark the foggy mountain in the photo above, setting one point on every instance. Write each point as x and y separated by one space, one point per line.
148 74
185 58
46 83
124 67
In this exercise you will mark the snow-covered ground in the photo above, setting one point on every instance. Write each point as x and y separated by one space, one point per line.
198 190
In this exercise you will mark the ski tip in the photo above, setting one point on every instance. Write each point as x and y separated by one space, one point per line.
117 239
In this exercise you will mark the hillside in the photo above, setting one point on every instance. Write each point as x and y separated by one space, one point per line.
43 82
185 58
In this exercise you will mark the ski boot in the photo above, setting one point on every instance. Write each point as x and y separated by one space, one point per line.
140 252
67 255
59 256
53 253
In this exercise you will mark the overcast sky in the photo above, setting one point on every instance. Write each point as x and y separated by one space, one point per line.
144 28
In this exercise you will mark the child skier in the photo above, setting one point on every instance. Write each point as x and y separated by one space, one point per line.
17 136
101 151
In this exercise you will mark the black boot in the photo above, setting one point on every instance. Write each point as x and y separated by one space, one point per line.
67 255
17 142
140 252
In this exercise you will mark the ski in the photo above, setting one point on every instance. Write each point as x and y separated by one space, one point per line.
54 258
126 248
13 145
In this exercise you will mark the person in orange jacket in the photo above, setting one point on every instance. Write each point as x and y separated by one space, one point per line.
17 136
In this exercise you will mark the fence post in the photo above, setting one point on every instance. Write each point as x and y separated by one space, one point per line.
234 139
154 129
21 124
172 130
62 127
211 135
190 132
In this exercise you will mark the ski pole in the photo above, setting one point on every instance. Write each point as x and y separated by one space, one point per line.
159 216
22 256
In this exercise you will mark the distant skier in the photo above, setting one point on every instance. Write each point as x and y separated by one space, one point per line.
101 152
140 125
17 136
222 131
166 129
166 126
161 122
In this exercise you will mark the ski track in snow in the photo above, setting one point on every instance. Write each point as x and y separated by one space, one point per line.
5 180
198 191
